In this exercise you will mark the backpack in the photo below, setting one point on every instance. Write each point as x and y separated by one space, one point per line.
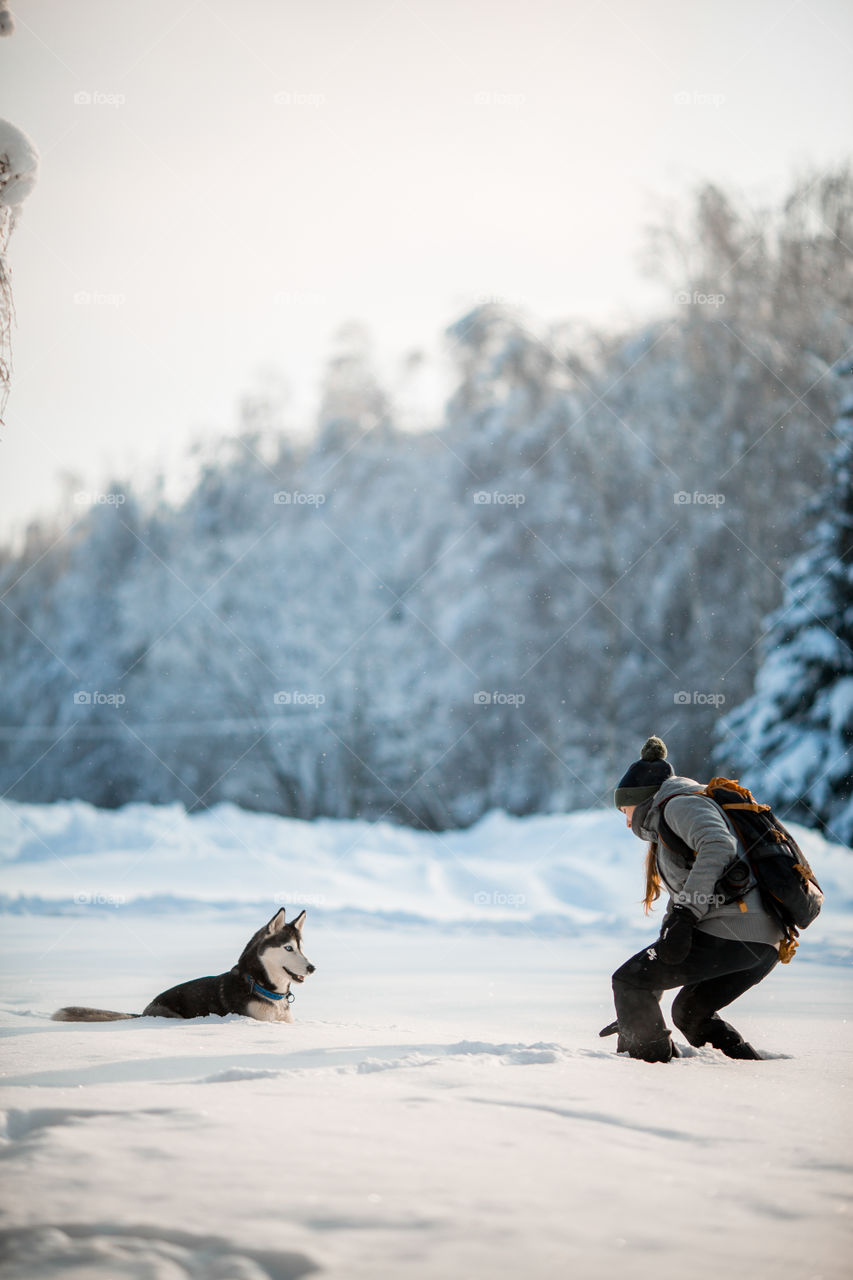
771 859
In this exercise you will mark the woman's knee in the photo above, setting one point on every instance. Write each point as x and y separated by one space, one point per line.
629 974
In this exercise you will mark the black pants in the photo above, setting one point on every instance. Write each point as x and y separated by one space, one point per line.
715 972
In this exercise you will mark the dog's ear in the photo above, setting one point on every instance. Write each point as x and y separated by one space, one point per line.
298 922
277 923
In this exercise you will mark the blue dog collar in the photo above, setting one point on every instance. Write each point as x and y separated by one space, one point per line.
273 995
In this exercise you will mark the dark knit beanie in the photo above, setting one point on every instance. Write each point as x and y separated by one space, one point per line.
645 775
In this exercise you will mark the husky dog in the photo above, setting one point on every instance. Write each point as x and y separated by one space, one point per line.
257 987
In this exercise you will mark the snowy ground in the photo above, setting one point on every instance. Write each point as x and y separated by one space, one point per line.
442 1106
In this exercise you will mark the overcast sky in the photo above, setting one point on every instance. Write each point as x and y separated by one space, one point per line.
223 184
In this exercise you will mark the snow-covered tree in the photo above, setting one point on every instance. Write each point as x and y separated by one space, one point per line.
527 547
792 741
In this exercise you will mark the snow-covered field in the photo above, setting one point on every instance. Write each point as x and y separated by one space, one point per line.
442 1106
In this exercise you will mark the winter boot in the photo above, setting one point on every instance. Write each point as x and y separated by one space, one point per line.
712 1030
621 1047
723 1036
660 1050
743 1051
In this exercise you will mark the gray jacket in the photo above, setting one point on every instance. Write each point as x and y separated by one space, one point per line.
703 826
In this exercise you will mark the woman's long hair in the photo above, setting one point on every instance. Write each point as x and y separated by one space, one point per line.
653 881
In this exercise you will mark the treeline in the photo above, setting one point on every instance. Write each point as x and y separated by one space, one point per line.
491 614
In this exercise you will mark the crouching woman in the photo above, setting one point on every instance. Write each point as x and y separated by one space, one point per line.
712 945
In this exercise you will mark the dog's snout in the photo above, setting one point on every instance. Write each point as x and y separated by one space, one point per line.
311 968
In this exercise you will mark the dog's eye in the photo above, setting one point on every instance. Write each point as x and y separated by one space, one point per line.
288 947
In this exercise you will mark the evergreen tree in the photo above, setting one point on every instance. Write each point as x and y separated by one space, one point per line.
792 741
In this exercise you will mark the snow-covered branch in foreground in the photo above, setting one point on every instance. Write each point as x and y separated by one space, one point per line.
19 163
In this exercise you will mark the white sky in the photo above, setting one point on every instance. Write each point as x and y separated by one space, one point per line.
421 155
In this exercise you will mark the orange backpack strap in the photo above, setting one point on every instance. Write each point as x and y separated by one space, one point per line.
788 945
747 800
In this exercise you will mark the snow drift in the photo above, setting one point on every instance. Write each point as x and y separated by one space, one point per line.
564 872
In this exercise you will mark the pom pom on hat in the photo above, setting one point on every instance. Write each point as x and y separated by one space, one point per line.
645 775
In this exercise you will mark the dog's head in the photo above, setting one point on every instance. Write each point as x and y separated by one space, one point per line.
279 950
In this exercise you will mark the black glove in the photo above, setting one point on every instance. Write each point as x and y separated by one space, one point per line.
676 936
